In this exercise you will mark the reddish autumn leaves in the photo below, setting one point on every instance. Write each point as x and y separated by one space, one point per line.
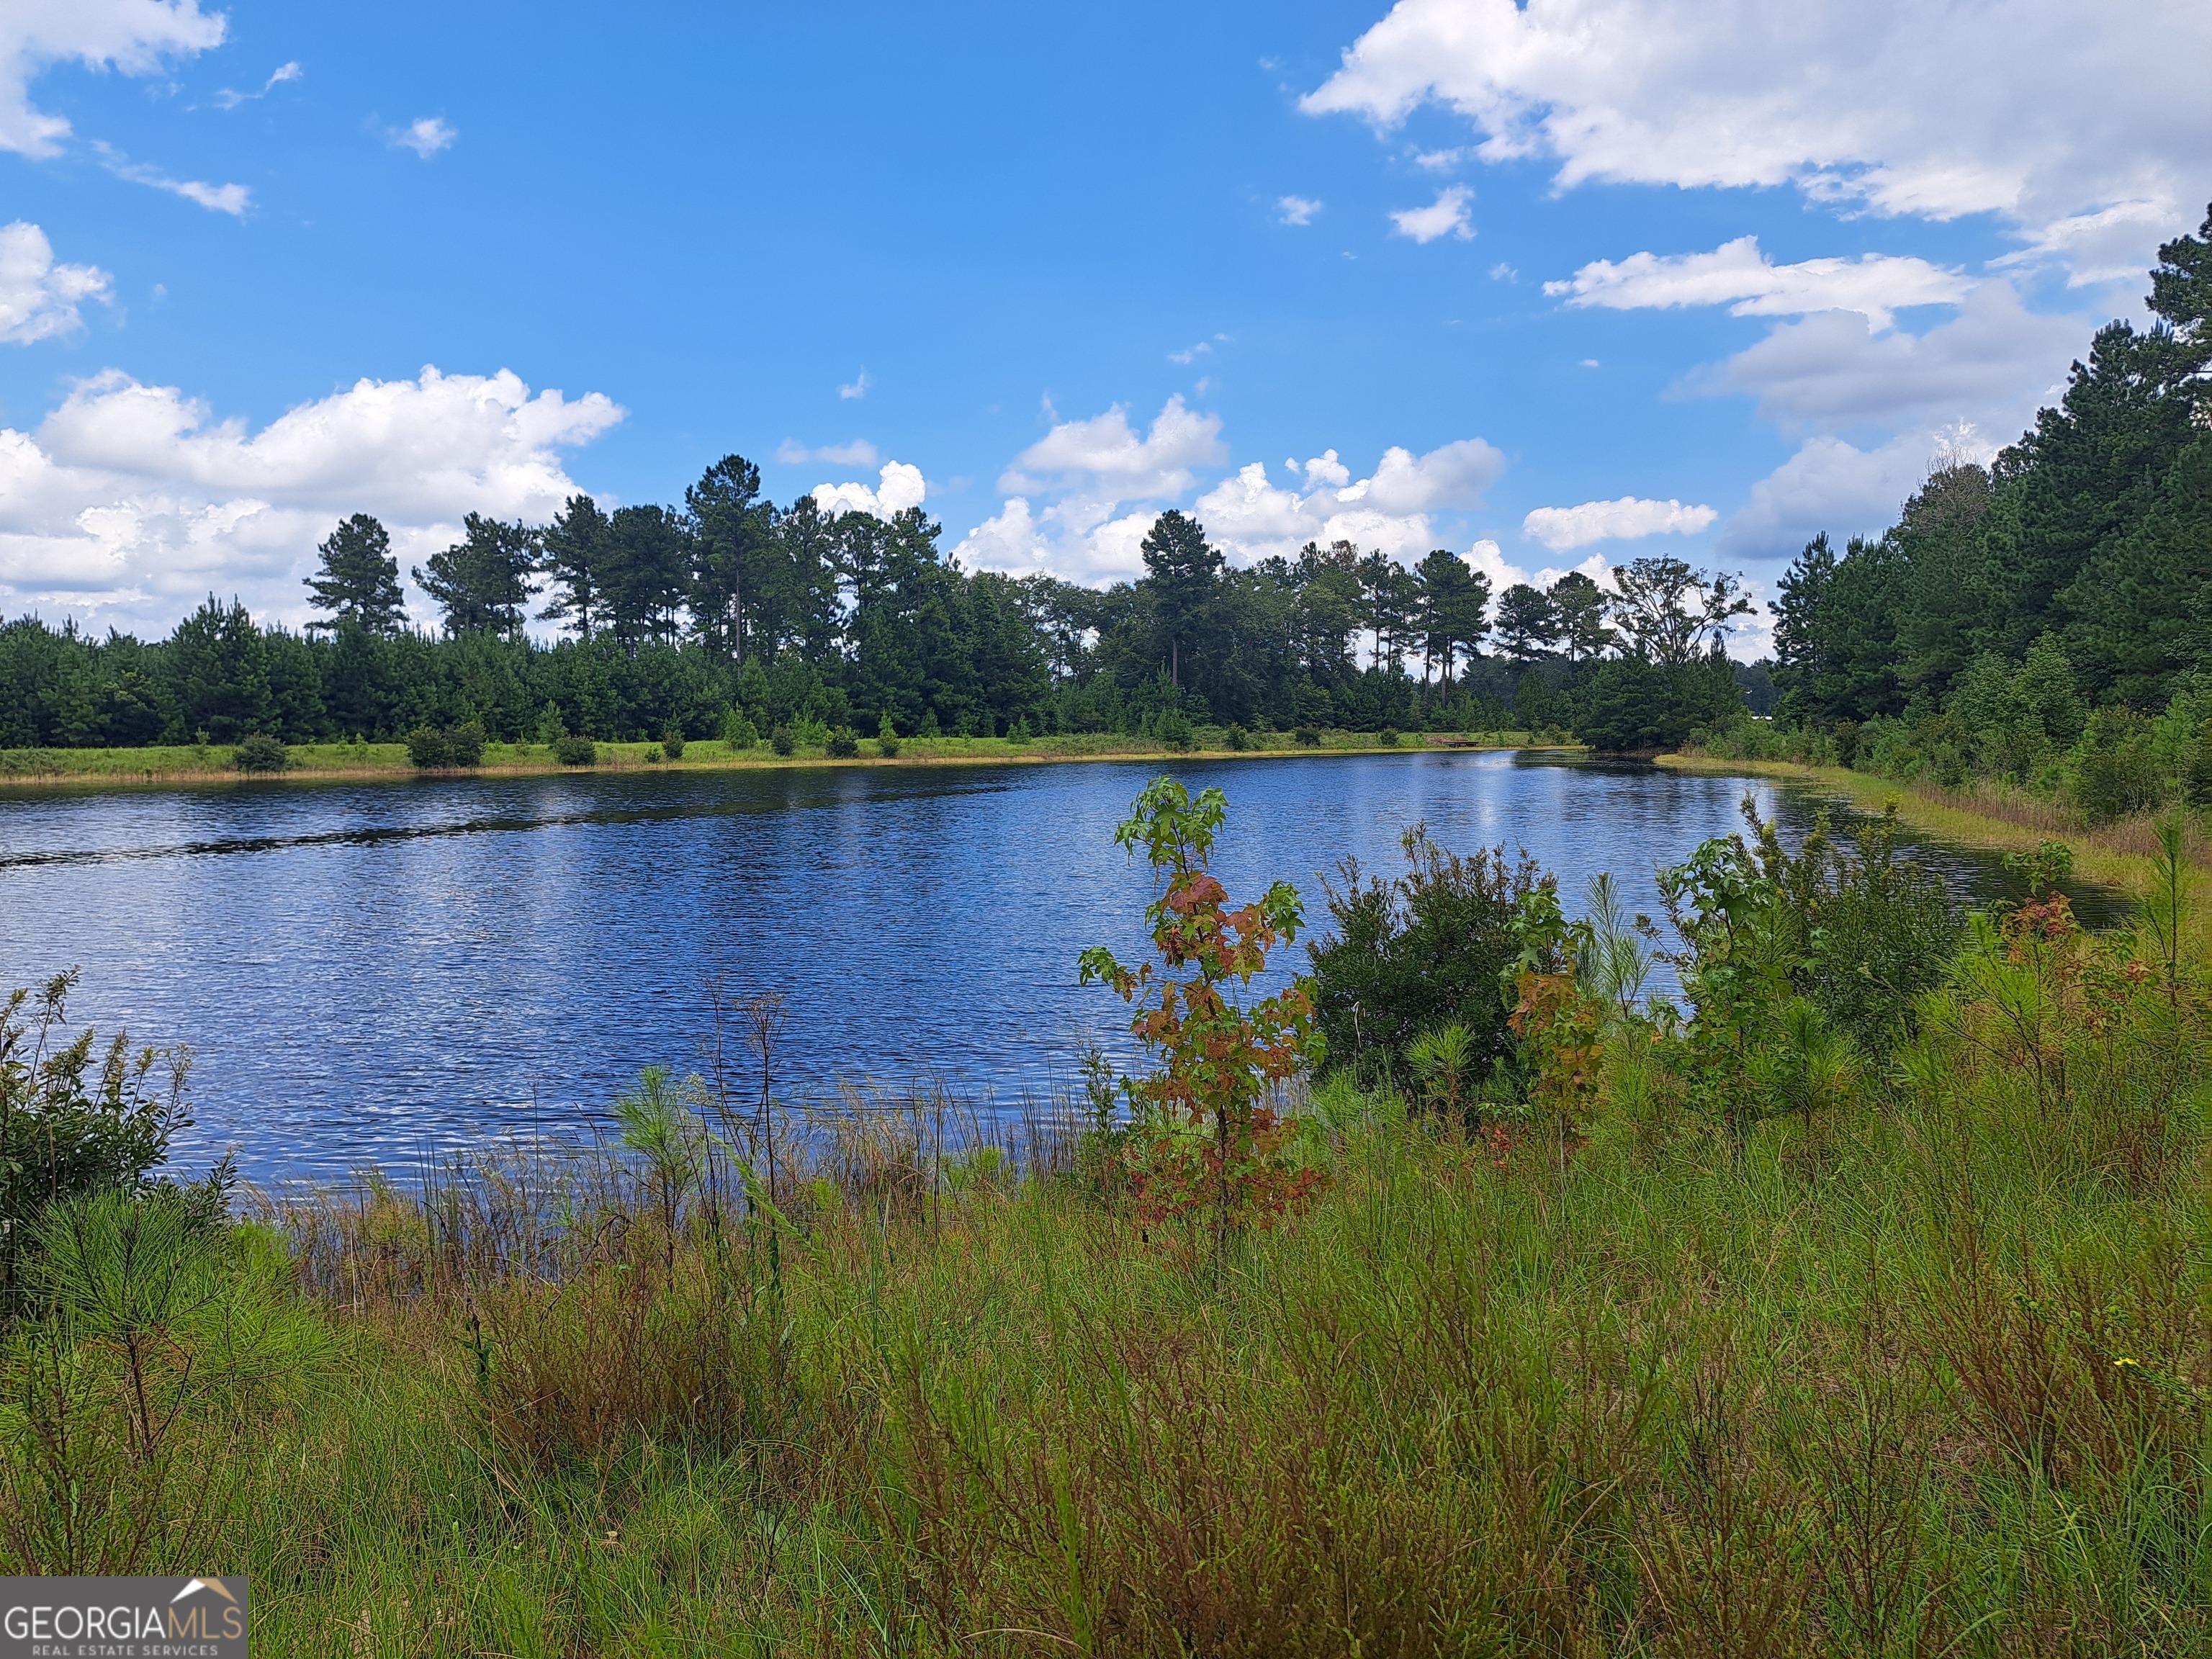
1201 1134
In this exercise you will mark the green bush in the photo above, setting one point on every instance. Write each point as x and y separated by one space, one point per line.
260 753
783 742
2116 770
1173 729
887 739
671 742
738 734
465 744
1415 954
1307 737
1236 738
1388 737
432 750
426 748
654 754
842 744
572 751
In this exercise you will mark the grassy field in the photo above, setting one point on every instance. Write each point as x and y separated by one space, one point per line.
324 762
1925 1370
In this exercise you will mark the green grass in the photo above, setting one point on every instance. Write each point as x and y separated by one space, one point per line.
324 761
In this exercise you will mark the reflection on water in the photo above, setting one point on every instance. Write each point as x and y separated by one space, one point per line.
372 971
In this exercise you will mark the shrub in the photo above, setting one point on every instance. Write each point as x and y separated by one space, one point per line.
2116 770
1307 737
572 751
887 739
738 731
671 742
654 754
1236 738
260 753
1173 729
465 744
1388 737
426 748
1419 953
842 744
783 742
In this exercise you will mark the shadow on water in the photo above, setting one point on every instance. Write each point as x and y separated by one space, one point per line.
376 972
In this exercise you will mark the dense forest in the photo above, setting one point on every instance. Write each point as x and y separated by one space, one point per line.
2044 622
729 613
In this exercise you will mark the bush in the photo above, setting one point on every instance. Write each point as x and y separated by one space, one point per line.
260 753
1307 737
1388 737
738 734
433 749
1173 729
572 751
842 744
671 743
887 739
654 754
1236 738
782 742
1420 952
426 748
2116 770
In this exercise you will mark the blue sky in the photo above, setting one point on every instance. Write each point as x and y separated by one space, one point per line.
1056 268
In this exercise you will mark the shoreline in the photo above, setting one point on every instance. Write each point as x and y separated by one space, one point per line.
107 768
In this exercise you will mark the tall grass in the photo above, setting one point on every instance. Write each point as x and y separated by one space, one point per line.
1925 1371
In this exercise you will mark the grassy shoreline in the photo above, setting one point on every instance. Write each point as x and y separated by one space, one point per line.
346 762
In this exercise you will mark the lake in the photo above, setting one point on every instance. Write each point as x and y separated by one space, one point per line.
372 972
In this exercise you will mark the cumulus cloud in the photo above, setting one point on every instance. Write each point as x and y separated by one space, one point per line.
1738 276
233 200
858 388
2066 111
134 37
1297 209
1560 528
1445 216
38 297
426 137
1104 455
859 452
898 487
1091 532
130 502
1835 486
1991 365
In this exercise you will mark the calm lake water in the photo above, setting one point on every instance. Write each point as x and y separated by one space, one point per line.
369 972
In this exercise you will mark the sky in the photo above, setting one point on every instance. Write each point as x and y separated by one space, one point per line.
1553 286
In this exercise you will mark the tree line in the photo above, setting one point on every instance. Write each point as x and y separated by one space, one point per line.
2045 620
728 607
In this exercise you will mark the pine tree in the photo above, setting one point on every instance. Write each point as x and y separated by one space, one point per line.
359 582
1184 570
483 581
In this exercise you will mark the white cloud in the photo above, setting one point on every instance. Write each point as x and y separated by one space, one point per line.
1834 486
233 200
227 99
858 388
2038 111
898 487
134 37
1561 528
1445 216
39 298
1297 209
426 137
1104 456
1090 536
1991 365
1738 276
1190 354
859 452
1440 160
130 502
